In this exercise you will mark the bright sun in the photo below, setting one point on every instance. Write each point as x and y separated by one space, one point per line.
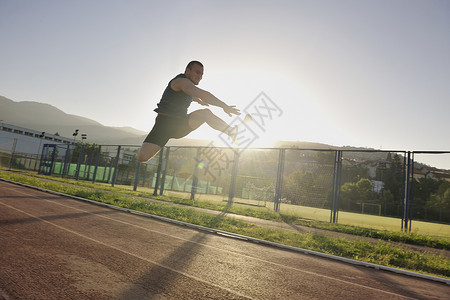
250 135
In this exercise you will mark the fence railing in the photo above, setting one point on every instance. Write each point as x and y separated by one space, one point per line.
357 187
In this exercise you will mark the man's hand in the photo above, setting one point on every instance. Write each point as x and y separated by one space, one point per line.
231 110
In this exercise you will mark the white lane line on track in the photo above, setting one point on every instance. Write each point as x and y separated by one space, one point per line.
127 252
204 245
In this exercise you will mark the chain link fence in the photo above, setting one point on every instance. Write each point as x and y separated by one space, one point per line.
382 189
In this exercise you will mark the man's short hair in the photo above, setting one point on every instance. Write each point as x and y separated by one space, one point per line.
192 63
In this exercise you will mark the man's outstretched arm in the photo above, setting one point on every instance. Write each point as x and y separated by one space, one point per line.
185 85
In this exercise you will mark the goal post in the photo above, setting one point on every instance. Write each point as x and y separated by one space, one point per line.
371 208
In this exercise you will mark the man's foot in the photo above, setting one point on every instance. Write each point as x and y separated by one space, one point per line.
247 118
232 133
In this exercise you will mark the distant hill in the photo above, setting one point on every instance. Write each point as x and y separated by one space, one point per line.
45 117
303 145
363 155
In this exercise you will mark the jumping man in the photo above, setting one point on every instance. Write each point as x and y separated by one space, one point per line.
173 121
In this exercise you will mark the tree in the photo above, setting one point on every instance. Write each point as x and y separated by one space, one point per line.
326 157
354 173
309 185
349 195
439 202
423 189
365 189
393 185
88 151
353 194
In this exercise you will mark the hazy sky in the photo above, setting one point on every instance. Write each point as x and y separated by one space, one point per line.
343 72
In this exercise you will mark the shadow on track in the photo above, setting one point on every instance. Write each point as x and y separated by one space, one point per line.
165 278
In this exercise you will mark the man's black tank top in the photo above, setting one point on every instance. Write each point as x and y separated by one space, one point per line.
174 103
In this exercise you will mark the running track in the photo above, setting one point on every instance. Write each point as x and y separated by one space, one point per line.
55 247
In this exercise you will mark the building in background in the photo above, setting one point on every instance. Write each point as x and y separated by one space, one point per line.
25 140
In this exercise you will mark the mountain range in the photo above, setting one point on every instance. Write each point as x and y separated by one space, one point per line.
45 117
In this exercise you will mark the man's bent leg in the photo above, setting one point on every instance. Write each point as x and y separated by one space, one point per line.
201 116
147 152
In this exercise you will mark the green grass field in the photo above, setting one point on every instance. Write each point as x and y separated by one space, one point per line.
369 221
318 214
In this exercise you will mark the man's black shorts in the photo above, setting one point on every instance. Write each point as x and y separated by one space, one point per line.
167 127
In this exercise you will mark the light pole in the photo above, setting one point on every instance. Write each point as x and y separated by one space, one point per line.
40 141
75 134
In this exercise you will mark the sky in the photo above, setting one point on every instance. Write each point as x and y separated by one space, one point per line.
360 73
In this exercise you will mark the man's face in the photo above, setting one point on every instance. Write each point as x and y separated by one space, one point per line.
195 73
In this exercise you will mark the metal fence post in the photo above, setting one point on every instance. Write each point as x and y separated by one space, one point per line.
195 176
89 168
233 178
136 176
279 185
403 190
12 153
109 169
66 161
164 171
336 187
116 166
411 191
158 172
406 198
145 172
77 173
97 161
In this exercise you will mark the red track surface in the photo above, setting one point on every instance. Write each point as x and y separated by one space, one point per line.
54 247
